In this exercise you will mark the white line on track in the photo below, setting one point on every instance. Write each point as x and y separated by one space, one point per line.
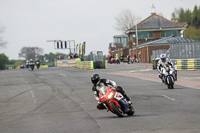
140 70
32 94
168 97
63 75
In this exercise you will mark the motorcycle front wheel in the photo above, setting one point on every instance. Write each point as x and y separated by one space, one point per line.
117 110
171 84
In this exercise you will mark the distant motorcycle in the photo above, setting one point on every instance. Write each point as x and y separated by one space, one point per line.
169 76
37 64
115 102
32 65
27 64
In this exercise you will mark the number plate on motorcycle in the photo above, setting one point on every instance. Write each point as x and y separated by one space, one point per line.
118 96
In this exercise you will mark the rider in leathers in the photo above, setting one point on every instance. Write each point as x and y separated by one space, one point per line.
162 63
97 83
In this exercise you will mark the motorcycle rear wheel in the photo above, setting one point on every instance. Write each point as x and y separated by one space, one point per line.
116 109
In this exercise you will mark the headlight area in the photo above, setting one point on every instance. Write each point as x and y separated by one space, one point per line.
110 95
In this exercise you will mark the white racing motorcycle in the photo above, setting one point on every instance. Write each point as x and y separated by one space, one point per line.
169 76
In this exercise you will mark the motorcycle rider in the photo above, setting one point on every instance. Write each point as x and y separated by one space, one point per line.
31 60
27 63
162 63
37 62
98 82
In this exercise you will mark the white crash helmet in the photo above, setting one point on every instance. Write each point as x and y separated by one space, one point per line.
163 57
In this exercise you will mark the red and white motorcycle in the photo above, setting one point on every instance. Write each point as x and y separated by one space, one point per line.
115 102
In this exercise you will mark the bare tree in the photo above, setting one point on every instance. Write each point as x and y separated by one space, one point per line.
30 52
175 15
2 43
125 20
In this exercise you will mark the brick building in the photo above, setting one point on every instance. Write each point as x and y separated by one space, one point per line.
142 37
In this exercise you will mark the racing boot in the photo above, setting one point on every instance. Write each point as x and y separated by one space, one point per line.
159 75
127 98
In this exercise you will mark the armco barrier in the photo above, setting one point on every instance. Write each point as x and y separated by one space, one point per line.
85 65
66 63
187 64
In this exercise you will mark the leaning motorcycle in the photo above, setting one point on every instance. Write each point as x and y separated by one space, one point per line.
115 102
32 65
37 64
169 76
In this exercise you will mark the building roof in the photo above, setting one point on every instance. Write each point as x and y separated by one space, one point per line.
120 36
156 22
162 41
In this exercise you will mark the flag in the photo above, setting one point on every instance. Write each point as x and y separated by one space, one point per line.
79 49
83 49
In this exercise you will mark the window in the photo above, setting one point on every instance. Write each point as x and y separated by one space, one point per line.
124 41
163 34
150 34
172 33
142 35
118 40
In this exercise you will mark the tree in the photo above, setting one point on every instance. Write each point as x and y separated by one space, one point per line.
50 57
193 20
196 17
188 16
181 16
2 43
30 52
175 15
192 33
125 20
3 61
41 58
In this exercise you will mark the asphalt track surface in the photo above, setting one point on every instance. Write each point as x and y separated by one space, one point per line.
60 100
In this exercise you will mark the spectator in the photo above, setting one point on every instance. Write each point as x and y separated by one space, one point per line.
135 57
117 59
122 57
128 58
109 59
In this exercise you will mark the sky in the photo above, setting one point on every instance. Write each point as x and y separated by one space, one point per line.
30 23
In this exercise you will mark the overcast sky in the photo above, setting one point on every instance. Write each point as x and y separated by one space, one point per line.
33 22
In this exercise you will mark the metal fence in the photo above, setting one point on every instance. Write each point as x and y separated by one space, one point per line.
185 53
181 48
156 53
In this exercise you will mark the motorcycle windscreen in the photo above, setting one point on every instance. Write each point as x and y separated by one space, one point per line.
103 90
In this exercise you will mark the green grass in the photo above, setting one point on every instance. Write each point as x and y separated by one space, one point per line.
10 66
48 63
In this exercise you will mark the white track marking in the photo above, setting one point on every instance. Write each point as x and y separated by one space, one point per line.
63 75
32 94
168 97
142 70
